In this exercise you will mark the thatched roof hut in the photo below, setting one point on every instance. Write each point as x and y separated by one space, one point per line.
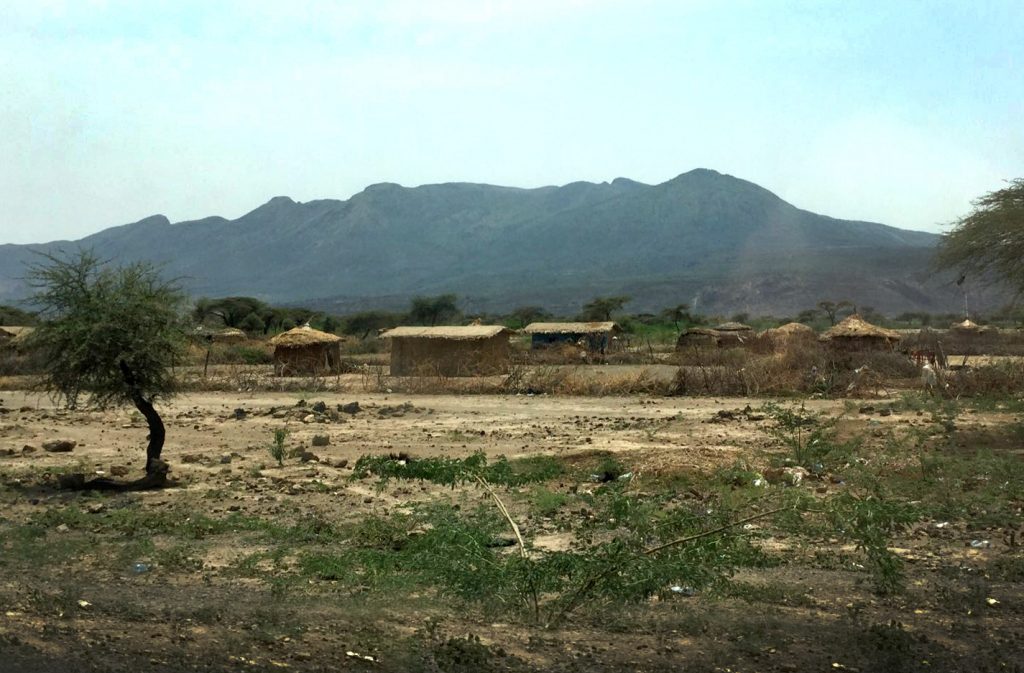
449 350
726 335
733 334
697 337
305 350
13 335
596 336
790 334
968 326
855 333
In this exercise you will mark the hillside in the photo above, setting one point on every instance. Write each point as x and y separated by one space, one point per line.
711 240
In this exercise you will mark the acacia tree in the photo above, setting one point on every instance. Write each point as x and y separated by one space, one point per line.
111 335
601 308
832 309
432 310
990 240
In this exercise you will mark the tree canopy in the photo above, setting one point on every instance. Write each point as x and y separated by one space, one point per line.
433 310
112 333
601 308
990 240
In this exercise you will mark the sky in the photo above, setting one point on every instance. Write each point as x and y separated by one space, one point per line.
111 111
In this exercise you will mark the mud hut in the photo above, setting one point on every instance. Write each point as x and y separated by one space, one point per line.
697 337
732 334
595 336
856 334
304 350
787 336
449 351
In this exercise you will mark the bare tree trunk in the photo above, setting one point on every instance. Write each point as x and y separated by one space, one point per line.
155 468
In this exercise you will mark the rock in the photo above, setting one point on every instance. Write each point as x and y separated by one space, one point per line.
307 456
191 458
319 407
63 528
280 413
350 408
309 418
225 458
240 414
321 440
790 476
118 471
28 448
341 463
95 508
59 445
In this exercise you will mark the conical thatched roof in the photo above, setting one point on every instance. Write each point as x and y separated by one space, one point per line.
733 327
855 327
303 336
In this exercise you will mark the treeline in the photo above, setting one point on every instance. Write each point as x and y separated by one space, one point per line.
256 317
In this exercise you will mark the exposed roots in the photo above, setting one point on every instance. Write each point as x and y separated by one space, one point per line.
155 478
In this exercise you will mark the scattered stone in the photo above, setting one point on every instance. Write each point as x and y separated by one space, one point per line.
225 458
28 448
319 407
191 458
300 403
309 419
95 508
63 528
321 440
240 414
118 471
59 445
343 463
280 413
308 456
790 476
350 408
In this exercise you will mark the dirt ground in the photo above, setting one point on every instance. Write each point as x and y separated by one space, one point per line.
78 593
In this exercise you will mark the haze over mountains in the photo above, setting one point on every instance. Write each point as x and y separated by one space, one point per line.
713 241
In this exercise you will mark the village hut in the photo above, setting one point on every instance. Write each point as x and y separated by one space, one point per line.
449 350
855 334
732 334
697 337
967 327
595 336
789 335
304 350
12 336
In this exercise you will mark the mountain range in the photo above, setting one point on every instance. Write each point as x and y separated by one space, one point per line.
713 241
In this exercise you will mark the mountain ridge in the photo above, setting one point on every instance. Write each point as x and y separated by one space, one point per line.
702 234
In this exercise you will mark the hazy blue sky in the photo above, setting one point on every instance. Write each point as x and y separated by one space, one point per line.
893 111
